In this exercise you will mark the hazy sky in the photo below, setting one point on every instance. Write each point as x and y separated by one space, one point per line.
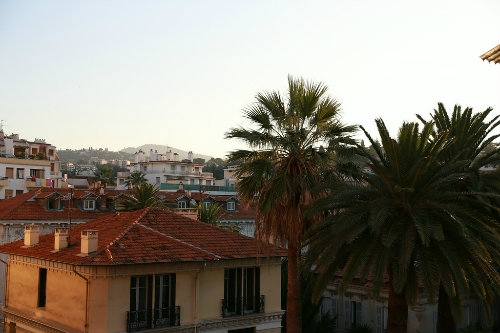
124 73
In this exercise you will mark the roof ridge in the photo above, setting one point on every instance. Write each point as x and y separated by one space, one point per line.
21 202
178 240
120 236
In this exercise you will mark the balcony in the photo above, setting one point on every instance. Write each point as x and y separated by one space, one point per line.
161 318
242 306
197 187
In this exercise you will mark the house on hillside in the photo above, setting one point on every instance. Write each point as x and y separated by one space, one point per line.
141 271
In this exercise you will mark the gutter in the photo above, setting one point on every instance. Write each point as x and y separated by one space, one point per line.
85 328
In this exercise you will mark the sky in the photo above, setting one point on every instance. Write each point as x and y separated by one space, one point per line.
115 74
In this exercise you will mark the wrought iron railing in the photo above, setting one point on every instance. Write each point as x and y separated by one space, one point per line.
242 306
157 318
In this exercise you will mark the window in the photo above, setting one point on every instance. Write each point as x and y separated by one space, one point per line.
183 168
181 204
8 193
207 205
230 205
158 180
150 309
329 307
172 167
9 172
121 181
42 287
140 299
19 192
191 181
54 204
164 309
89 204
20 173
208 182
52 167
352 314
240 282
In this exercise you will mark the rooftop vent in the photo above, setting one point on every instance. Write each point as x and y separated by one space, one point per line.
89 241
31 235
61 238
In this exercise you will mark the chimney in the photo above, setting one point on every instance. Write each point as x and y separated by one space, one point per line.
181 187
31 235
188 193
190 156
89 241
176 157
60 238
169 155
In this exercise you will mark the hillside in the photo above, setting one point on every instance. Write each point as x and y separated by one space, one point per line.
163 149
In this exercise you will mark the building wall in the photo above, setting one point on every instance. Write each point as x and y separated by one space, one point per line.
65 301
199 291
15 184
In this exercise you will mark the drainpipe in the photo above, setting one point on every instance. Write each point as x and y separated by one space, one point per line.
86 327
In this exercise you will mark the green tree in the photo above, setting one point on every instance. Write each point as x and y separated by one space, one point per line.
104 174
212 215
284 164
408 219
470 141
135 178
143 195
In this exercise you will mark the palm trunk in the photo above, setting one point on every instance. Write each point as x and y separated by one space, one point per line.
445 322
397 319
293 303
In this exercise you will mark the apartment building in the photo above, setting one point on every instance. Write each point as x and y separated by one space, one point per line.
27 165
142 271
168 171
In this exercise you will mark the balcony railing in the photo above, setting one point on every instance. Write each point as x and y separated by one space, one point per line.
242 306
160 318
197 187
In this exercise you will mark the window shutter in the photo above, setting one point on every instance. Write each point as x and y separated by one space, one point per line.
347 314
359 319
379 319
172 290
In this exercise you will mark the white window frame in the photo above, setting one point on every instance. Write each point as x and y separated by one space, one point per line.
88 204
181 204
232 206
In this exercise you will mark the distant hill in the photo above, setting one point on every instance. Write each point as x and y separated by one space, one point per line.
163 149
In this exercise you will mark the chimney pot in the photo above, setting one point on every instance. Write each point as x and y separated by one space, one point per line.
31 235
89 241
60 238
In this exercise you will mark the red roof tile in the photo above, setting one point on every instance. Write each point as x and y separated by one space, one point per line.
148 236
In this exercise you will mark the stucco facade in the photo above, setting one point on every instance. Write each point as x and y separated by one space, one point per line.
199 292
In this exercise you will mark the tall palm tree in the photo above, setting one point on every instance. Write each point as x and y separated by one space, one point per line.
143 195
472 142
135 178
284 163
409 222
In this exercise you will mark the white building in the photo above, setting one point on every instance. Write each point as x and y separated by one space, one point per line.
27 165
168 171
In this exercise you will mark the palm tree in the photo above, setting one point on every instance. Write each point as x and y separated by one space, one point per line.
471 142
212 214
284 164
135 178
409 222
104 174
143 195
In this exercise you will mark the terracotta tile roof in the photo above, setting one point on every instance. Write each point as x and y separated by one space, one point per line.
492 55
27 207
148 236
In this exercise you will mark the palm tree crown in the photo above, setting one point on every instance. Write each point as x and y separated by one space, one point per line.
410 218
143 195
284 164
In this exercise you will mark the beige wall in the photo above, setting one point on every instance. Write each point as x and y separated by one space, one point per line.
211 293
270 286
65 301
118 298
